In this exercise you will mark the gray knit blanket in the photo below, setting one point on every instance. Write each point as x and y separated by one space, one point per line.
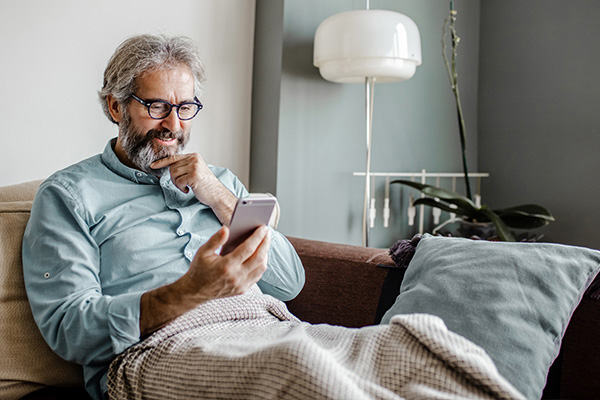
251 347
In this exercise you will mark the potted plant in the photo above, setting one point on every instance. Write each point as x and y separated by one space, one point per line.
526 216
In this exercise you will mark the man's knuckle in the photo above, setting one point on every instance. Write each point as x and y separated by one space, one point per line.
261 259
234 283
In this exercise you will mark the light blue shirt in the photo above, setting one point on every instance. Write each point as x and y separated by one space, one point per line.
100 235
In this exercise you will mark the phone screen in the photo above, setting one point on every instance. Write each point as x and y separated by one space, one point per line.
249 213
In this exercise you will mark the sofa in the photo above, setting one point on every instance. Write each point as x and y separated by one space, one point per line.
345 285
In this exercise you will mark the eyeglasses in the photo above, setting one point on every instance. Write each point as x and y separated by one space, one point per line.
160 109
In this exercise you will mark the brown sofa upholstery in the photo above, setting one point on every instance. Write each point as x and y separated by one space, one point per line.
345 285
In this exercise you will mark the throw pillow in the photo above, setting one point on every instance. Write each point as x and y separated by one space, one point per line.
514 300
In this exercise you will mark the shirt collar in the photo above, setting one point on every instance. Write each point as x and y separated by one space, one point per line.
111 160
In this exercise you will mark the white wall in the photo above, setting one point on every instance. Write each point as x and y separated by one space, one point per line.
53 54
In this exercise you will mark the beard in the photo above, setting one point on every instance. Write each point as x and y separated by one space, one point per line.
141 149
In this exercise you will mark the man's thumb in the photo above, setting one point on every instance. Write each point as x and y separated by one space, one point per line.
218 239
214 243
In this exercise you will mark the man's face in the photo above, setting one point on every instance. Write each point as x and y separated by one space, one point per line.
143 140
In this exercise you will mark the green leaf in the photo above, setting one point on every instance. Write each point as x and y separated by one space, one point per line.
428 201
532 210
447 195
501 229
526 216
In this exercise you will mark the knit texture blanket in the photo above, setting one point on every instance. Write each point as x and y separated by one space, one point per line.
251 347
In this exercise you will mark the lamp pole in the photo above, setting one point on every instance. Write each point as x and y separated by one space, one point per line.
369 129
369 92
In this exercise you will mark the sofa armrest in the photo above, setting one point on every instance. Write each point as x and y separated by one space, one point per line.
19 192
580 352
344 283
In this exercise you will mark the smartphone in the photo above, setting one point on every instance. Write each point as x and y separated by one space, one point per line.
249 213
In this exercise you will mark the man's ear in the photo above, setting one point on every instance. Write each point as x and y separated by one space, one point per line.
114 107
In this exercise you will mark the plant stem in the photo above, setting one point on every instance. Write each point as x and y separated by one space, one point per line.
453 75
461 128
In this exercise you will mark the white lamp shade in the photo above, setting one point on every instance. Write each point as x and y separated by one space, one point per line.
354 45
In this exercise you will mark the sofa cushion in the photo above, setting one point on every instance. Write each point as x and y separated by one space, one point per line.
27 361
513 299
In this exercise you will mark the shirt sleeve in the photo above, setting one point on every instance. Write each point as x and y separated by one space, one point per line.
284 277
62 276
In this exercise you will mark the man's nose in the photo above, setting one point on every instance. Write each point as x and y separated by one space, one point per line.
172 121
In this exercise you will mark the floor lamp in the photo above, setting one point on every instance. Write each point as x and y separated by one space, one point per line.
367 46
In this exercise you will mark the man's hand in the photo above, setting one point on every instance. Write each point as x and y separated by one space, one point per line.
189 171
210 276
213 276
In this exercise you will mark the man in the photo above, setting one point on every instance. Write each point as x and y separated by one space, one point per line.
123 274
123 243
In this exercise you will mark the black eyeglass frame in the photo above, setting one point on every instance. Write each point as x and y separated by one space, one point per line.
147 103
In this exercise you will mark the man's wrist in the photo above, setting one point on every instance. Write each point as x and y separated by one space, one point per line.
160 306
225 206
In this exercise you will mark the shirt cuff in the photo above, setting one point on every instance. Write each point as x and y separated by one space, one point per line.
124 321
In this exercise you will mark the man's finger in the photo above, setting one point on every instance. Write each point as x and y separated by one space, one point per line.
181 182
262 251
217 240
165 162
249 246
257 263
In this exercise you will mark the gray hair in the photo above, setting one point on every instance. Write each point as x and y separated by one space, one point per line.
146 53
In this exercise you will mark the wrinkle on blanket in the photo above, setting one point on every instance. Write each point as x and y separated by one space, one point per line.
458 352
250 346
252 305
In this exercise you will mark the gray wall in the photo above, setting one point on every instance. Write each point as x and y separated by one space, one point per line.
539 110
530 91
266 82
321 125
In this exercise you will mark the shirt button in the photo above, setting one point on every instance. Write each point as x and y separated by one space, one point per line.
188 254
47 275
180 232
139 174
